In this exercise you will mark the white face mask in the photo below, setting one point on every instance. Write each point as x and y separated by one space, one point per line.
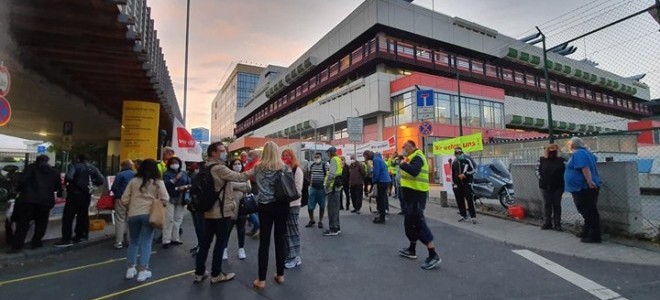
317 160
352 161
237 168
175 167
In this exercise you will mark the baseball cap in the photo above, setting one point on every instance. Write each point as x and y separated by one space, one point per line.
331 150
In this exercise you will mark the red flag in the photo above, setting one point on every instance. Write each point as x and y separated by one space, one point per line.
184 139
391 142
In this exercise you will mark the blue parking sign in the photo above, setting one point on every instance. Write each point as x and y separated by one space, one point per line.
41 149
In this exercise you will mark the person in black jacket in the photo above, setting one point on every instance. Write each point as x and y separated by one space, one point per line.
82 178
462 175
551 181
37 187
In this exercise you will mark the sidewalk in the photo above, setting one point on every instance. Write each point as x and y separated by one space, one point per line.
53 234
528 236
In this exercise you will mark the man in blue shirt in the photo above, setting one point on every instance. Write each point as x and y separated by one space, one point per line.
582 181
381 178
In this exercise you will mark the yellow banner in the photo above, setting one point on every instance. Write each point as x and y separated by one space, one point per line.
139 130
469 143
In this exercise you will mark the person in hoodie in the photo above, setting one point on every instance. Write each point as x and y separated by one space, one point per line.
177 183
37 186
381 178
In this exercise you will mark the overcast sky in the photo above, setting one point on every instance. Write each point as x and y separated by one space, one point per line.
223 32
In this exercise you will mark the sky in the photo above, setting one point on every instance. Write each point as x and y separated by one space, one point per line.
265 32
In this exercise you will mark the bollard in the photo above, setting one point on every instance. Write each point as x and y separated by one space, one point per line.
443 199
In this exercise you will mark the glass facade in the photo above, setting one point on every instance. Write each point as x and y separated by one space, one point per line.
246 83
477 113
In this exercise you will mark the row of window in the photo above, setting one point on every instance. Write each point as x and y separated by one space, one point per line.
326 75
473 113
420 54
520 77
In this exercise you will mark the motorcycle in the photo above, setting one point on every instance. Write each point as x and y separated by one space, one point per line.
493 181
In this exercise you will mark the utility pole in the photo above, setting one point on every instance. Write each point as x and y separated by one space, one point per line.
185 72
547 88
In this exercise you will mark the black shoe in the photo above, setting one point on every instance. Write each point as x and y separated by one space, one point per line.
590 240
357 212
331 233
379 220
581 234
546 227
63 244
177 243
320 224
310 224
167 246
353 211
558 228
194 250
406 252
431 262
77 240
401 213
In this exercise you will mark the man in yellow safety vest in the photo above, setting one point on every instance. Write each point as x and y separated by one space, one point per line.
415 190
333 186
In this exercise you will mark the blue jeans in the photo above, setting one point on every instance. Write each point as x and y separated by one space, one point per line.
316 195
141 234
254 218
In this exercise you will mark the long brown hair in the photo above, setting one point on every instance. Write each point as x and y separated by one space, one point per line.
294 160
550 147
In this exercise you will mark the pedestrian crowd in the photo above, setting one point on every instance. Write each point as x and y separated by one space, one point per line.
266 190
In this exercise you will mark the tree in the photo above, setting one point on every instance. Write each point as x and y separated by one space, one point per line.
228 140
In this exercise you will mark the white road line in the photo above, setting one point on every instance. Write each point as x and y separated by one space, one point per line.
580 281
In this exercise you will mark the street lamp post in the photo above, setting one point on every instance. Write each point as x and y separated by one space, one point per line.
458 85
185 72
332 137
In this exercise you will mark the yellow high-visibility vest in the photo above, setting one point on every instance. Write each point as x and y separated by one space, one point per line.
421 182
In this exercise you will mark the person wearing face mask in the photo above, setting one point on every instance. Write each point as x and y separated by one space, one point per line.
357 175
292 233
462 174
234 192
317 171
550 172
177 184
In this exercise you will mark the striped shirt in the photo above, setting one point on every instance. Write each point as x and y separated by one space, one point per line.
317 175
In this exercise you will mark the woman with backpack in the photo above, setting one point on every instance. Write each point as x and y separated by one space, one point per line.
177 183
271 212
143 191
292 233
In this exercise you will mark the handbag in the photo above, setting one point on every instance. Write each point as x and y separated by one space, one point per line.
157 215
106 202
248 205
285 186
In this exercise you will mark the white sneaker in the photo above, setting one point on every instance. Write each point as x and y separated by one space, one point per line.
224 255
118 245
131 272
292 263
241 253
143 275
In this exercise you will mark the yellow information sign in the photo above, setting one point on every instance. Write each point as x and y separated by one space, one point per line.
139 130
469 143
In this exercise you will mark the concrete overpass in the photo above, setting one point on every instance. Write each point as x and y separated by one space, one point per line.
78 61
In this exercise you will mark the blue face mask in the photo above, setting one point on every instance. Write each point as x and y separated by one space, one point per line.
223 156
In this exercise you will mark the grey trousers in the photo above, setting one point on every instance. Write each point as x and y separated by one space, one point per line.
333 210
121 227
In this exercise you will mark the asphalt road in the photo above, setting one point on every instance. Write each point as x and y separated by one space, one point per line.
361 263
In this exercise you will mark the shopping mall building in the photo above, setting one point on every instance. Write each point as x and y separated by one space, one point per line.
375 62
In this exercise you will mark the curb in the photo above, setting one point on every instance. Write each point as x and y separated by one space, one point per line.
46 251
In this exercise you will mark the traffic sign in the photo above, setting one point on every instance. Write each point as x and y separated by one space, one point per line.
425 98
67 128
5 81
425 113
5 111
67 142
355 128
426 128
41 149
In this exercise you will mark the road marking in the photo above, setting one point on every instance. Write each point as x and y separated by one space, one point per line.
144 285
580 281
64 271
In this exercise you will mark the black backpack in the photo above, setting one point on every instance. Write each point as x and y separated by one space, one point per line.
202 193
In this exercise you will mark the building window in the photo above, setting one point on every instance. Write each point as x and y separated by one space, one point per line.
402 110
443 108
491 71
507 74
474 113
